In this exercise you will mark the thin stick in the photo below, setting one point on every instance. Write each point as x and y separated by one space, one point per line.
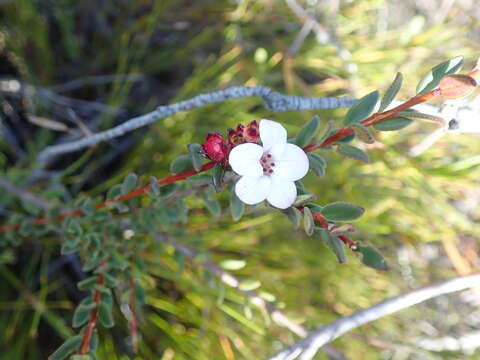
308 347
273 101
23 194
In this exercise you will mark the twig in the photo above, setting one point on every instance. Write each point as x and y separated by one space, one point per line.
92 320
273 101
308 347
23 194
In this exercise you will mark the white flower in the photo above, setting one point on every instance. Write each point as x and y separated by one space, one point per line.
269 172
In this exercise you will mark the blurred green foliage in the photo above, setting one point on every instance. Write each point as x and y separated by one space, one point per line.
192 47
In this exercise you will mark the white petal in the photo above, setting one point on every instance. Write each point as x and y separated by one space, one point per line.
282 193
245 159
252 190
273 136
292 165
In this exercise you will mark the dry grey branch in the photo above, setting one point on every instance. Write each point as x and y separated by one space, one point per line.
308 347
23 194
273 101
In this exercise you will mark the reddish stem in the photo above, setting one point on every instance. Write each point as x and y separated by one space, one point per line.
320 220
132 194
377 117
92 320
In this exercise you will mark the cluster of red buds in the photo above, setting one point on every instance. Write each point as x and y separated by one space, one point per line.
217 148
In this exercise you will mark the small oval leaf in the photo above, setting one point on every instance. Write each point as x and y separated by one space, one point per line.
237 207
308 222
69 346
194 150
392 124
80 316
431 80
342 211
391 92
181 164
361 109
335 244
308 132
317 164
353 152
105 315
129 183
294 215
363 134
372 258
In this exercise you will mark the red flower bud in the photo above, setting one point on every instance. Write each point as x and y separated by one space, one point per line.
251 133
215 148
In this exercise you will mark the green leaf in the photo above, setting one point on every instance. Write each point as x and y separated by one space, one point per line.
372 258
117 261
114 192
237 207
88 283
213 206
249 285
361 109
105 315
353 152
87 207
431 80
294 215
154 188
72 227
308 222
392 124
317 164
233 264
363 134
303 199
181 164
194 150
391 92
346 139
335 244
413 114
80 316
308 132
342 211
68 347
110 281
217 177
129 183
314 207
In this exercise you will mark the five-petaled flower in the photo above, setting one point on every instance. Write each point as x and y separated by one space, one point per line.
269 171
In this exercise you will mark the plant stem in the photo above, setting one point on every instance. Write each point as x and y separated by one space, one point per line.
92 320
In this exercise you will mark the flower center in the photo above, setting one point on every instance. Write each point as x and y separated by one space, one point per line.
267 163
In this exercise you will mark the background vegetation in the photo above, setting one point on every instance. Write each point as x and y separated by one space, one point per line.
422 212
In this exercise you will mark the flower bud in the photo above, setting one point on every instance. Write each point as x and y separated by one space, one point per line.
457 86
251 133
215 147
